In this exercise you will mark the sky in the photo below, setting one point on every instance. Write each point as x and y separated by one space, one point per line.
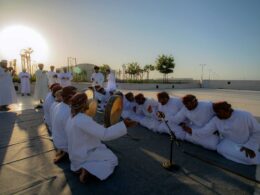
223 34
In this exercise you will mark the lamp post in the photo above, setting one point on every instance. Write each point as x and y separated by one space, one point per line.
202 72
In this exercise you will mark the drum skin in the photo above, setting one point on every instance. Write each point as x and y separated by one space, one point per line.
113 110
92 108
90 93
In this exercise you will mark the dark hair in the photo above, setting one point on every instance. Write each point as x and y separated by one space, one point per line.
96 68
67 93
118 93
78 102
53 85
217 106
55 89
129 94
139 97
163 95
188 98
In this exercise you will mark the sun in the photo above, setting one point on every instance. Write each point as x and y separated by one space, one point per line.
15 38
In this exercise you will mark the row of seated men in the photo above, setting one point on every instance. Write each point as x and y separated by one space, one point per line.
78 136
233 133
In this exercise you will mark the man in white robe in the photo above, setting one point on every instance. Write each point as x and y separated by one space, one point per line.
102 96
41 85
60 117
146 112
58 76
65 78
25 82
97 77
7 92
88 155
128 105
47 104
196 114
111 81
58 99
239 132
168 108
52 76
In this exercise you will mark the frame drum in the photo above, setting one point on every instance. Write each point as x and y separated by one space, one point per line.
92 108
113 110
90 93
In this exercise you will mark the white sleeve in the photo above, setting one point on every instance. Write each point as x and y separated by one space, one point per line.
254 137
88 125
102 78
207 129
179 117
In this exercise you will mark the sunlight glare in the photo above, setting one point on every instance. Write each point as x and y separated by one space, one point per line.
15 38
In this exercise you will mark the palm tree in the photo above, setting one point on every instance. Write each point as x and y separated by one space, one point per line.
103 69
133 69
147 69
165 64
26 59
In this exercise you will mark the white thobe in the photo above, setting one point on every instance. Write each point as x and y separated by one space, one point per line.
127 108
102 99
25 82
149 119
137 114
196 119
41 85
52 77
241 129
170 109
61 115
97 79
65 79
7 91
86 149
46 109
111 82
52 111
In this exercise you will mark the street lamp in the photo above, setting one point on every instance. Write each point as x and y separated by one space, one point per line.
202 72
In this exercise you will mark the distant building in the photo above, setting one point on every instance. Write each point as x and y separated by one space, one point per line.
88 68
85 68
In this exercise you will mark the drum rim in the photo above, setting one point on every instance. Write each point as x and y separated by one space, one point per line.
107 114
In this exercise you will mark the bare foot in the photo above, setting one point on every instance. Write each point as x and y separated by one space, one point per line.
59 156
84 175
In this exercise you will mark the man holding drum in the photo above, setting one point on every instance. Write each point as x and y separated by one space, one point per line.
86 152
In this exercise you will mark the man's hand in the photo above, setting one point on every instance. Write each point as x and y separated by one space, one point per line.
129 123
186 128
160 114
249 153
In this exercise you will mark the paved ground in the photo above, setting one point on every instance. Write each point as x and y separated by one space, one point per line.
26 154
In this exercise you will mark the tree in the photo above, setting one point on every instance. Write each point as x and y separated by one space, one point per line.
133 69
103 70
165 65
147 69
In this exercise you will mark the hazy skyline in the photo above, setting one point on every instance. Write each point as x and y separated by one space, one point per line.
224 34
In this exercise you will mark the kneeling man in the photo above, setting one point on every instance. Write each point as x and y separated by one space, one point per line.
88 155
